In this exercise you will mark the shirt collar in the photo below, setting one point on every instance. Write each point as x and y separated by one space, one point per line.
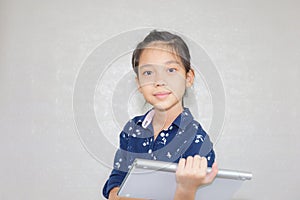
181 121
148 118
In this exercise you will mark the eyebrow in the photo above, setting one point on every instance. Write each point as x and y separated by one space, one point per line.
166 63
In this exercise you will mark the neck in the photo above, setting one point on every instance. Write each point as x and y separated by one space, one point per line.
162 119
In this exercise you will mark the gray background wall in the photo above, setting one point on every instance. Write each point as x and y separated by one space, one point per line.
253 44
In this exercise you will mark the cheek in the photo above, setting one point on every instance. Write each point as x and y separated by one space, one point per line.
146 89
177 85
145 85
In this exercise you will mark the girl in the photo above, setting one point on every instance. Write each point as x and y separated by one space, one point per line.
168 131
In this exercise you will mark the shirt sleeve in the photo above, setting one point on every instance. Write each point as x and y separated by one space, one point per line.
201 145
120 166
115 179
207 150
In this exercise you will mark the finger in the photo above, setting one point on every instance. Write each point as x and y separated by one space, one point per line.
212 174
189 162
203 167
203 163
197 162
181 164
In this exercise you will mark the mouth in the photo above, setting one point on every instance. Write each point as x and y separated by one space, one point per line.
162 95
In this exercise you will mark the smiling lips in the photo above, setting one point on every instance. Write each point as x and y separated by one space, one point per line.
162 95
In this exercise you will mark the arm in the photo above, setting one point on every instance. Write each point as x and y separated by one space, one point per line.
120 164
190 174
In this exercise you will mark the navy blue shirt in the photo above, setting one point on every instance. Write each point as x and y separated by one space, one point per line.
184 137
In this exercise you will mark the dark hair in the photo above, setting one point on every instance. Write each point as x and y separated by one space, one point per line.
174 41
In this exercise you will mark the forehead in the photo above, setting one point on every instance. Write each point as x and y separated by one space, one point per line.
158 54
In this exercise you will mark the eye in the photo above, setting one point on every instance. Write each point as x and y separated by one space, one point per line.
147 73
172 69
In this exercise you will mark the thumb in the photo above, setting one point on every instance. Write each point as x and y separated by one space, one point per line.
212 174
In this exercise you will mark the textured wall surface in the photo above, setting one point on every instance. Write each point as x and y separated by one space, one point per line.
47 153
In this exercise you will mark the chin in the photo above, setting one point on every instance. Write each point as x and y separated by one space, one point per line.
163 106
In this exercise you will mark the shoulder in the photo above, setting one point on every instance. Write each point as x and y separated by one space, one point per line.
128 131
133 124
197 134
195 127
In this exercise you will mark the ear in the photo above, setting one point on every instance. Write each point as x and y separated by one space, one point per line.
138 84
190 75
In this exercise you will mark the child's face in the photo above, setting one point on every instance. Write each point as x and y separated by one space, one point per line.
162 78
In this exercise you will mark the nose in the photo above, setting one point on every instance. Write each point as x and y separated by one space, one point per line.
159 78
160 83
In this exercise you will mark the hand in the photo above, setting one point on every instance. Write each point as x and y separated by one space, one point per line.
113 195
191 174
